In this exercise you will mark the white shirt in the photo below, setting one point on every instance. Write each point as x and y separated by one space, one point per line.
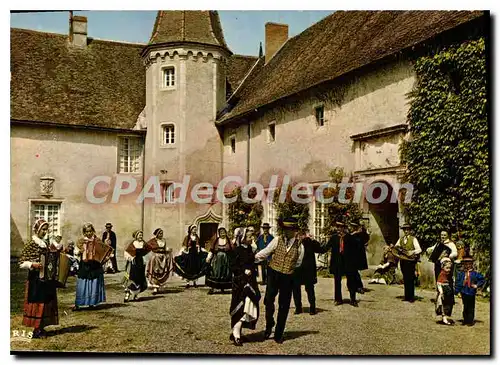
271 247
417 249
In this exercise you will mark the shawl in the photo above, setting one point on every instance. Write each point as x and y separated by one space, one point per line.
131 249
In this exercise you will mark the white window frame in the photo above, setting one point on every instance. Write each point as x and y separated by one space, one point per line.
320 122
46 202
163 126
129 157
323 211
271 212
270 138
163 85
231 138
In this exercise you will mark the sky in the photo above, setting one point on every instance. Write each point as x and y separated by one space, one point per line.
243 30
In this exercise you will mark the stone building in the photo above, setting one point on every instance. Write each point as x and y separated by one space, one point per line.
336 95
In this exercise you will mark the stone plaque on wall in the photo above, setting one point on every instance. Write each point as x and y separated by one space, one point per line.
47 186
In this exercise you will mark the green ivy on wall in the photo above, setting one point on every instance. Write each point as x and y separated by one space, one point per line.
448 153
243 214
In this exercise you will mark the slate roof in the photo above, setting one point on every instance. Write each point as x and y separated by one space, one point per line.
102 85
340 43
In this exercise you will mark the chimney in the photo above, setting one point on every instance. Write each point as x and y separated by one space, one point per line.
276 36
78 30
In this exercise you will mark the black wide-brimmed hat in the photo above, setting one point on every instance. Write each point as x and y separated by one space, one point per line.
406 225
265 225
291 222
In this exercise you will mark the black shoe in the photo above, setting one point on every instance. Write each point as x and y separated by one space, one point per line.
361 291
210 292
278 340
312 311
354 303
338 302
236 341
298 310
267 333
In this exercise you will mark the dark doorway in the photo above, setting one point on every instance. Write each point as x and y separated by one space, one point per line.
386 215
207 233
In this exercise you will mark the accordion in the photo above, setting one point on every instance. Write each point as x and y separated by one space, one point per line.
96 251
55 267
439 251
401 254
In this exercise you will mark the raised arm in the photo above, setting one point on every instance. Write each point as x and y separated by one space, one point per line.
267 251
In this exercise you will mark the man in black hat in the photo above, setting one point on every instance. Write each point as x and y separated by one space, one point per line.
409 244
344 261
287 253
109 237
263 240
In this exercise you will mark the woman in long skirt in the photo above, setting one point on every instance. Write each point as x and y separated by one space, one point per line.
40 296
191 262
135 270
245 297
219 275
160 264
90 289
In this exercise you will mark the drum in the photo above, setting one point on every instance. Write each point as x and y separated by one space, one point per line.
97 251
55 267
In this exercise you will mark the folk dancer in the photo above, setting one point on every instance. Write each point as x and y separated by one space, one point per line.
385 273
344 262
411 247
90 290
262 241
306 274
450 251
109 238
135 271
159 266
362 237
245 294
40 296
219 275
287 253
191 264
70 252
445 298
238 235
468 281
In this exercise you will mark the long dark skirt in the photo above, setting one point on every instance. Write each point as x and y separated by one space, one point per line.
191 265
448 300
90 289
219 275
244 287
40 302
135 277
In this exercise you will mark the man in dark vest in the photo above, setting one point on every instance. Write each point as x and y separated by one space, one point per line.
109 237
344 261
287 252
262 241
411 248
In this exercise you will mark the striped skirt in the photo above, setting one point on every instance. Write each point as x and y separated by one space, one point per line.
40 313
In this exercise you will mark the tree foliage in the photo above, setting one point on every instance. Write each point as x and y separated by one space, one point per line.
243 214
289 209
447 156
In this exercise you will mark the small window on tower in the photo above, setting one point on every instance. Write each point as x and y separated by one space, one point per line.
168 78
320 116
233 144
168 135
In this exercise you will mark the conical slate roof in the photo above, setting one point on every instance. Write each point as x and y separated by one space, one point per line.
173 26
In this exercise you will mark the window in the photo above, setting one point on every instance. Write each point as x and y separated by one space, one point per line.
168 134
233 144
168 193
51 213
271 215
320 115
319 218
130 154
168 79
271 132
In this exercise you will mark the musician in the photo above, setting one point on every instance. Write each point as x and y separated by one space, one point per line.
160 264
109 238
90 290
344 261
135 276
40 298
449 250
262 241
410 246
287 253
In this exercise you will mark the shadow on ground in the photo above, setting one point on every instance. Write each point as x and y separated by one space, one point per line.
72 329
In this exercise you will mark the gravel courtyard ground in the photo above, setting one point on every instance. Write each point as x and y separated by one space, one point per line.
190 321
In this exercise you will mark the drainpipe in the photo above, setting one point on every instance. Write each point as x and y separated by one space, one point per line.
248 153
143 181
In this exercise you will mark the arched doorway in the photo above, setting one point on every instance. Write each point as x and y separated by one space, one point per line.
384 213
207 226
